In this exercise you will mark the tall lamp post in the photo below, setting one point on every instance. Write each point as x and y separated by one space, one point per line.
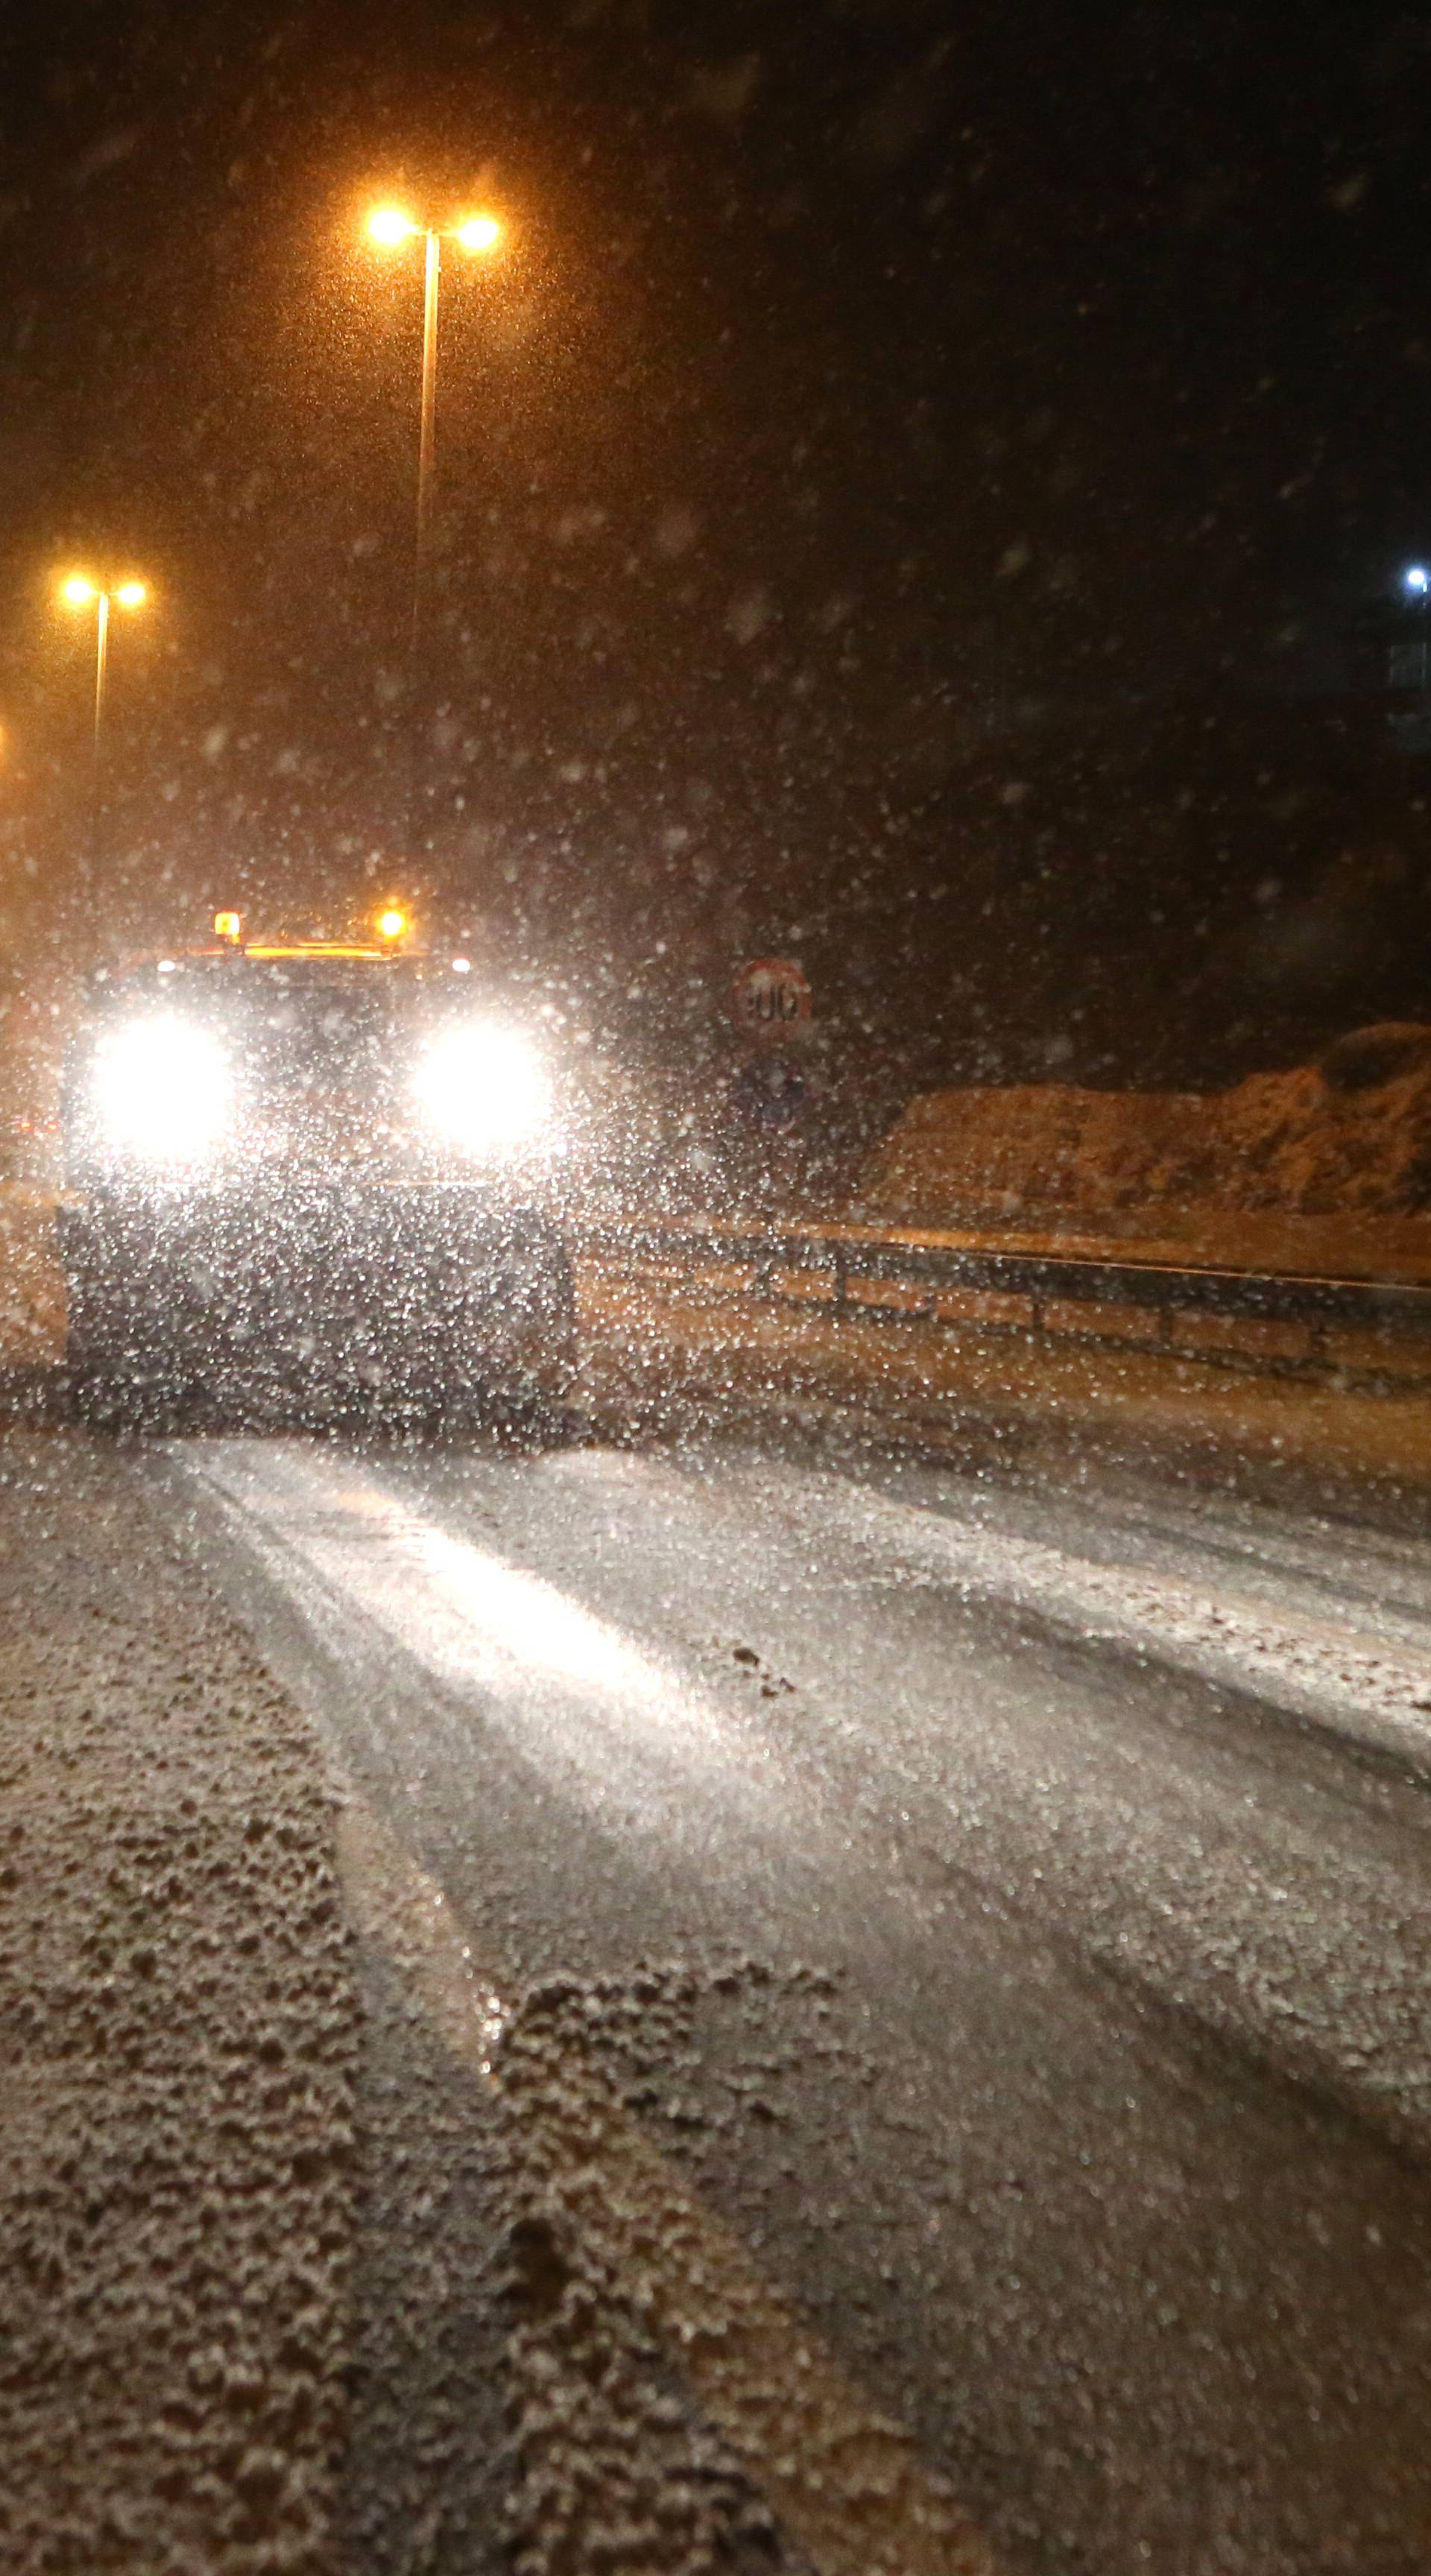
80 592
391 228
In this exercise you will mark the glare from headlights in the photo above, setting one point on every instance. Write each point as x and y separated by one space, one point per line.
484 1089
162 1090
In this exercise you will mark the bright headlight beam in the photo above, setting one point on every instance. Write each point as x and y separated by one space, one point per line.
484 1088
162 1090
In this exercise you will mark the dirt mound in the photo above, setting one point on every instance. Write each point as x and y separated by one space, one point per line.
1040 1146
1353 1134
1365 1058
1296 1140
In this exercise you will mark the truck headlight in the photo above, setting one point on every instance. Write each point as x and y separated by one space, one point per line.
162 1090
485 1089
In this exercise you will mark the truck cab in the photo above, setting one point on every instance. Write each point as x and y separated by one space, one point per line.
321 1159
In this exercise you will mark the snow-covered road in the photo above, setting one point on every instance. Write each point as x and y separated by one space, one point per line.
1042 1877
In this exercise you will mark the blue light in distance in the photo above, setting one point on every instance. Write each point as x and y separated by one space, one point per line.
1416 580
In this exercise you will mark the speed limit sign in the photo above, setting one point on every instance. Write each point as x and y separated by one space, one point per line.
772 998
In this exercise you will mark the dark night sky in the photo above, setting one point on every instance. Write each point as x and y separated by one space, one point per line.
891 429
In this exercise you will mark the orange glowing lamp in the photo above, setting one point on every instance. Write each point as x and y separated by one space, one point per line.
389 227
479 232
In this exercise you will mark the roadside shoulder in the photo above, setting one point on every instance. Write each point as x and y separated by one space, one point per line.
179 2036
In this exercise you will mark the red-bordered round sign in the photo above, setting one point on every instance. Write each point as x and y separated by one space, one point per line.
772 998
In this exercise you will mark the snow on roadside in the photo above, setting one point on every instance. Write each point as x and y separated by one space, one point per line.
178 2037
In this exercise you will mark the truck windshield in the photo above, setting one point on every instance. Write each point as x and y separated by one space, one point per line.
302 1032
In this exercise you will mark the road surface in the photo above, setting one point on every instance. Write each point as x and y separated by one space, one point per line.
857 1950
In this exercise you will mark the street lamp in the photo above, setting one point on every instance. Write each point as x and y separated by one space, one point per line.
80 592
392 228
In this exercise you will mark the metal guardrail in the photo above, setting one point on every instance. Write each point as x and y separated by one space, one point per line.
842 1268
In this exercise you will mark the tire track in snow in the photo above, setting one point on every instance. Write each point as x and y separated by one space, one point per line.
1332 1674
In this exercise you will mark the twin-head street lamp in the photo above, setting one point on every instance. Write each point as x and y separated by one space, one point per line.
392 228
80 592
